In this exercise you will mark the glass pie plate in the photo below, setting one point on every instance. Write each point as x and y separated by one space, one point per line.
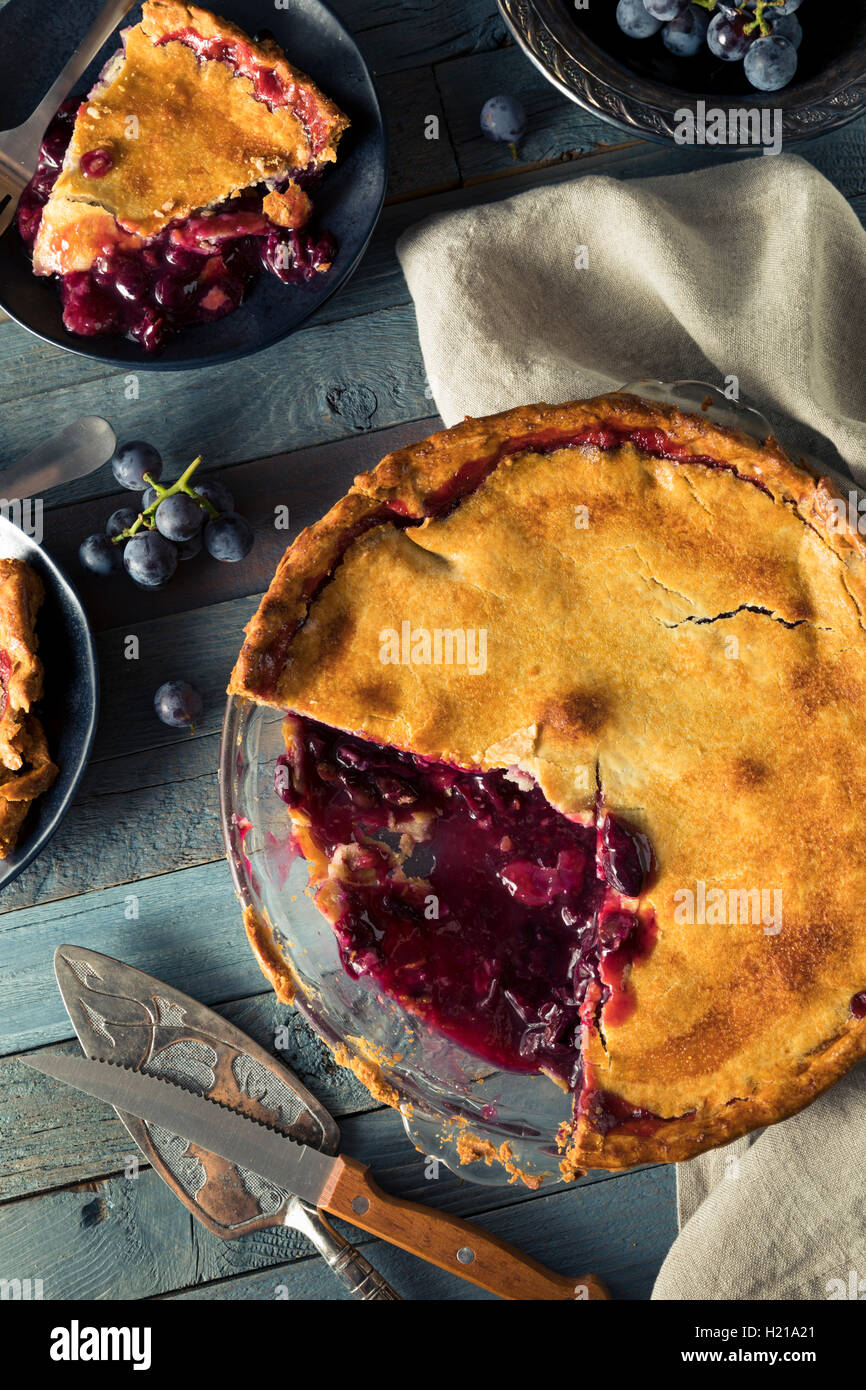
445 1092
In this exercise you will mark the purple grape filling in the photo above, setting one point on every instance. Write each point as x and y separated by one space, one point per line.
194 271
498 926
606 1111
624 857
95 164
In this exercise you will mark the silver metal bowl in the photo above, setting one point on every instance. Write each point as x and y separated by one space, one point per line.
637 85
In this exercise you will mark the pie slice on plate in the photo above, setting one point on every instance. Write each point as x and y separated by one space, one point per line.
576 753
186 168
26 769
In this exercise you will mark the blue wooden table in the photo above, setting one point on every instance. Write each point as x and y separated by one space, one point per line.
137 869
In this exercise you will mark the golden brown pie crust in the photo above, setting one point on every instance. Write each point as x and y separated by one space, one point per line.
26 769
183 134
699 644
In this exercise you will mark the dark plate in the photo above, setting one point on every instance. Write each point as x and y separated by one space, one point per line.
347 204
70 706
637 85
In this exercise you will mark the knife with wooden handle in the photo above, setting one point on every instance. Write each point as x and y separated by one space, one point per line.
338 1185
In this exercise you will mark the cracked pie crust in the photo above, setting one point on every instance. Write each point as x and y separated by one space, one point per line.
640 817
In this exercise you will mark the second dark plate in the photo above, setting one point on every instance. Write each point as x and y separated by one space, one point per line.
69 707
348 202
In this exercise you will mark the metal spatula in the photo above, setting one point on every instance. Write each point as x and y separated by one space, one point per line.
123 1016
19 148
78 449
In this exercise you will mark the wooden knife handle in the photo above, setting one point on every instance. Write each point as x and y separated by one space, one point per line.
447 1241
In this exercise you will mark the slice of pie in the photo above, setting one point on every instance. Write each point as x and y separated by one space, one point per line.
26 769
186 168
576 753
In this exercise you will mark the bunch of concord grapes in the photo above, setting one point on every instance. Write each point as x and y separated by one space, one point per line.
762 34
170 524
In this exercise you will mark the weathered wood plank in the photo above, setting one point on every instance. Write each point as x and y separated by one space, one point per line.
417 163
558 129
400 34
154 811
394 36
322 384
168 939
51 1136
170 648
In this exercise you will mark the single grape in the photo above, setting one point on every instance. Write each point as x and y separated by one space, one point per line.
150 559
131 461
770 63
788 27
228 538
148 497
179 517
727 37
100 555
216 493
178 704
635 20
187 549
147 327
787 7
503 118
129 278
685 36
121 520
665 9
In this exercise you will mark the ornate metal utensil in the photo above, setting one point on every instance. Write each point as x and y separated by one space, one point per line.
131 1019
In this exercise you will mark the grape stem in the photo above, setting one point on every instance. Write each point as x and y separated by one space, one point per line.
758 22
145 519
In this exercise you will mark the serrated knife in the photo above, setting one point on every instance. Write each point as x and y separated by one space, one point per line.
339 1185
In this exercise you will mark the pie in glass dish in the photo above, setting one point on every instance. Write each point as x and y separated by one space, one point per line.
575 738
26 769
186 170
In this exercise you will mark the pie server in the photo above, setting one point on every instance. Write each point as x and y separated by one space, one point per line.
121 1014
209 1094
19 148
78 449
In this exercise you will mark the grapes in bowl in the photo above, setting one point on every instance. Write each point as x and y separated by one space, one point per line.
639 64
762 34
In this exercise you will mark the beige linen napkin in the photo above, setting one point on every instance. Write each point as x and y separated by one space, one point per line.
779 1214
755 270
